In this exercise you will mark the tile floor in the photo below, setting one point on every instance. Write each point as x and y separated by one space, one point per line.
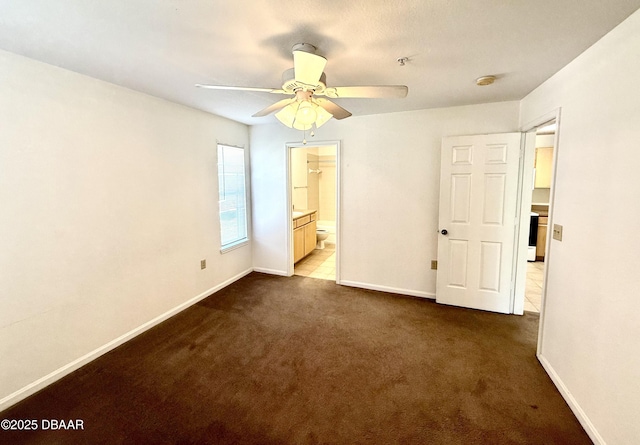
533 290
318 264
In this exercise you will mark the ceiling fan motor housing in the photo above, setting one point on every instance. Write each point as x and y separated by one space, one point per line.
290 85
306 47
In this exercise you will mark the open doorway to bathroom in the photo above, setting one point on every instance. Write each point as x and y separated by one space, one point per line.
540 201
314 210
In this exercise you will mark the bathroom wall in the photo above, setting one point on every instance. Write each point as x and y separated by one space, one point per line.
327 207
313 179
313 190
299 179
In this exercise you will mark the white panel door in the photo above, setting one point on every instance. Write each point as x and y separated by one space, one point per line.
478 195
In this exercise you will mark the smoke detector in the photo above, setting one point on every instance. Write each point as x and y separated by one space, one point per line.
485 80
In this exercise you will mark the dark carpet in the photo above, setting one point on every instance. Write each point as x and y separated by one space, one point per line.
274 360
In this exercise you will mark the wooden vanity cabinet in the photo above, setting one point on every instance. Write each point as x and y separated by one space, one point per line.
304 236
309 238
298 244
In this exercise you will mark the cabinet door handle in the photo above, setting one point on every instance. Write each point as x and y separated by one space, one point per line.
444 231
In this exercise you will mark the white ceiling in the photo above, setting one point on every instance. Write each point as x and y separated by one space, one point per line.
164 47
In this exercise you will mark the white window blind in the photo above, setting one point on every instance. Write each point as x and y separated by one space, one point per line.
232 196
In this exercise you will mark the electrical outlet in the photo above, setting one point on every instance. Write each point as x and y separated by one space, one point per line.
557 232
203 264
434 264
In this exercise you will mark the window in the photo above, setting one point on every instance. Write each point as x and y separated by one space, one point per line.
232 196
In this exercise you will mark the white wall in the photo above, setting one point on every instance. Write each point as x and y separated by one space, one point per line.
591 329
390 166
108 202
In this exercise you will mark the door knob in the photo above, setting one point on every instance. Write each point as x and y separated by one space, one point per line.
444 231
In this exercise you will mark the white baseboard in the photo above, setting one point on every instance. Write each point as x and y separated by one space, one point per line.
39 384
393 290
571 401
271 271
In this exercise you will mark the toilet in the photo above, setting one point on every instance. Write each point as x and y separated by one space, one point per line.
321 235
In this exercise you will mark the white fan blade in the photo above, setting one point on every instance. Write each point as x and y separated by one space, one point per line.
336 110
275 107
373 92
308 67
226 87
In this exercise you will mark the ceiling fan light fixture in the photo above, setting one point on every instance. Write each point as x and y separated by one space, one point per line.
306 114
302 127
303 115
323 116
288 114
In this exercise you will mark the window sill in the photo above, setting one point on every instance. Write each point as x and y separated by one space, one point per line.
234 246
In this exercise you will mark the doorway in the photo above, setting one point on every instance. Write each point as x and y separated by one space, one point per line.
532 263
313 197
492 274
540 207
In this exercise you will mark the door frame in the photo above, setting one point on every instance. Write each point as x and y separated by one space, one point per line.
289 201
523 218
520 269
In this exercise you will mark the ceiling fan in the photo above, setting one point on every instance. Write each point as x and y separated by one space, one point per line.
307 81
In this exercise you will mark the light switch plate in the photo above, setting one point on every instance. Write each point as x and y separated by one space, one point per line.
557 232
